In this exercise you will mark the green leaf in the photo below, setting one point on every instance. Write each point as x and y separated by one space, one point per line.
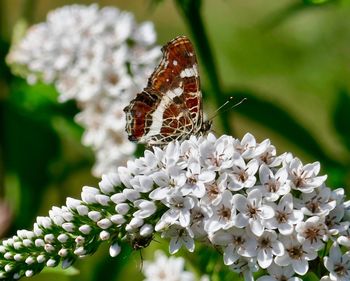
70 271
110 267
317 2
40 99
30 144
311 276
341 116
29 147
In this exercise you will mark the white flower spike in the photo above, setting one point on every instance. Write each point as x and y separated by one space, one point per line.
279 220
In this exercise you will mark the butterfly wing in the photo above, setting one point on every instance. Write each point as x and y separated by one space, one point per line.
170 107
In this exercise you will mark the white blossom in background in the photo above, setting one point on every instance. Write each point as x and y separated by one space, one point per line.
165 268
252 228
98 57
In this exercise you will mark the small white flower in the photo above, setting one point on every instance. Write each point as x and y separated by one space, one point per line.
88 194
199 214
118 219
338 264
95 216
131 194
108 183
304 178
167 183
273 185
104 223
134 224
118 198
267 247
318 202
246 267
179 210
218 155
142 184
222 215
40 259
312 232
63 252
196 180
171 155
146 208
285 217
103 199
269 157
104 235
114 250
73 203
68 226
8 267
252 211
85 229
236 242
335 220
146 230
51 263
295 254
189 151
248 148
144 165
179 237
62 238
29 273
214 191
82 210
243 174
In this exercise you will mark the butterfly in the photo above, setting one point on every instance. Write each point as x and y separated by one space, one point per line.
170 107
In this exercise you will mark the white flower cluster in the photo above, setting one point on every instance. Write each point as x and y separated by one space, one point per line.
262 210
99 57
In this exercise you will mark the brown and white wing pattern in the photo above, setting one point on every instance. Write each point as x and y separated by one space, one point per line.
170 107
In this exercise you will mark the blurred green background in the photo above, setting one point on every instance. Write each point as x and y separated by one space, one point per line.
291 59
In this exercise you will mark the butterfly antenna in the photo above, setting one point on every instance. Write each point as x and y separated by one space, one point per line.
223 105
239 103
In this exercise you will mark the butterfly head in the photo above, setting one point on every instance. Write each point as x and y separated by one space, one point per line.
206 126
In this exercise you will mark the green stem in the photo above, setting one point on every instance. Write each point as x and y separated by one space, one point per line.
191 11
